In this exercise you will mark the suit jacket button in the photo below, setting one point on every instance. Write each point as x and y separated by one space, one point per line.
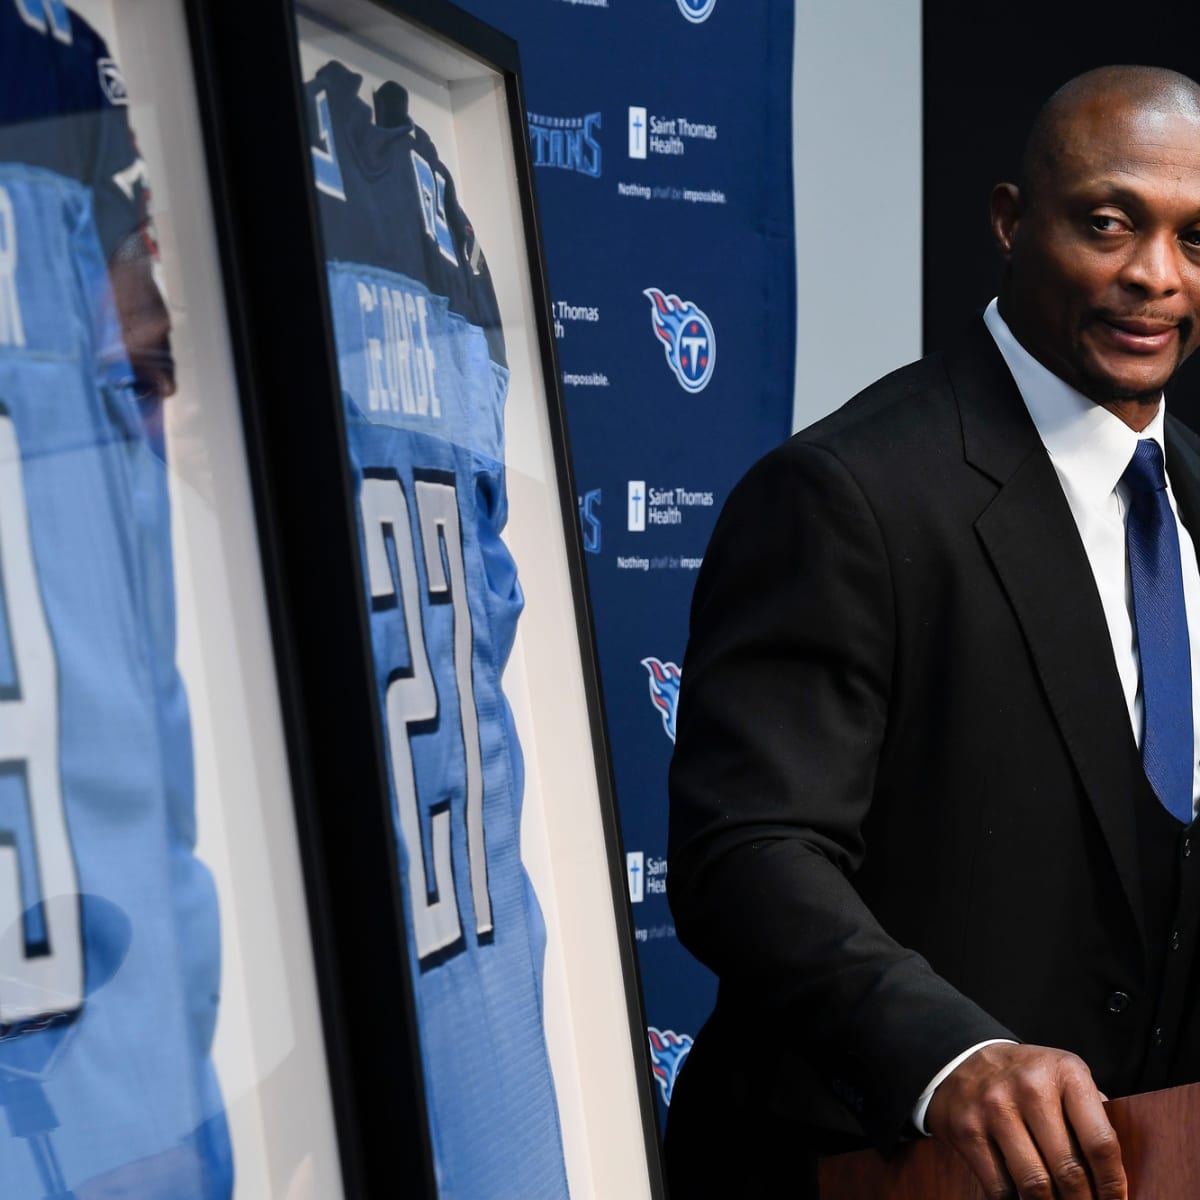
1118 1002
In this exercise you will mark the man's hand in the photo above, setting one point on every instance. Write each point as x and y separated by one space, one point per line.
1030 1123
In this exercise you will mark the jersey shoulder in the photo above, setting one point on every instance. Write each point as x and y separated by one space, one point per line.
54 63
389 201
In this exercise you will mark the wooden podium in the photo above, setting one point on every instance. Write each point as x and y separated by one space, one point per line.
1159 1134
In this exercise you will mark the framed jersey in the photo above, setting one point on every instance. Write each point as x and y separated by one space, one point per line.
464 556
412 430
160 1026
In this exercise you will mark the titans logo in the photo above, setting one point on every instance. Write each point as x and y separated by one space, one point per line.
668 1049
687 337
664 691
589 520
568 142
696 10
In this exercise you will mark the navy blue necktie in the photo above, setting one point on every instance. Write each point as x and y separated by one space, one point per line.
1157 580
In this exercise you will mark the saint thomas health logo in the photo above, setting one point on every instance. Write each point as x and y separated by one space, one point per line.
687 337
696 10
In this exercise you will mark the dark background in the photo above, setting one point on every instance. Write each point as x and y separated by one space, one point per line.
987 71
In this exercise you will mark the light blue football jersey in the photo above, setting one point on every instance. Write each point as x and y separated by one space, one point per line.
424 381
109 943
109 958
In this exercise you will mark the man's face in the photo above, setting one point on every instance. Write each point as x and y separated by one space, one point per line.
1103 278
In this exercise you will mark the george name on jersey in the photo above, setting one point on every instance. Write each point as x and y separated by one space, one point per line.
400 363
12 328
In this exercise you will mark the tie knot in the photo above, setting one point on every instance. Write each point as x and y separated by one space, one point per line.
1145 471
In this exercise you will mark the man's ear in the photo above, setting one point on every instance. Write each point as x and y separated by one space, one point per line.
1006 215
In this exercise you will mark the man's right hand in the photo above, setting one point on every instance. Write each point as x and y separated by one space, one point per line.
1030 1123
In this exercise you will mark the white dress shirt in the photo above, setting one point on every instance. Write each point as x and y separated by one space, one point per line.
1090 448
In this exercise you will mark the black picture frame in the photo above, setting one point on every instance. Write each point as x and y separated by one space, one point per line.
249 83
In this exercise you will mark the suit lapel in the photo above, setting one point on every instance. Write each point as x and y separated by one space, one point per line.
1030 536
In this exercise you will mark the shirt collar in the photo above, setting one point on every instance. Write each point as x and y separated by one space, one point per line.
1089 446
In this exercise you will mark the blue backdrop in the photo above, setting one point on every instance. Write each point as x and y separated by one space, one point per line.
661 137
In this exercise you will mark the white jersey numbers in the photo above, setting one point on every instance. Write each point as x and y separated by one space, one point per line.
412 706
41 949
431 187
47 16
326 172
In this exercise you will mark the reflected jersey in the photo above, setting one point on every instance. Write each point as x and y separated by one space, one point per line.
423 374
109 955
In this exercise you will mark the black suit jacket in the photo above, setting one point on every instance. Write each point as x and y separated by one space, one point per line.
903 789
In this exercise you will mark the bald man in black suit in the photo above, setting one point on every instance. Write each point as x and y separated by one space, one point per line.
911 827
